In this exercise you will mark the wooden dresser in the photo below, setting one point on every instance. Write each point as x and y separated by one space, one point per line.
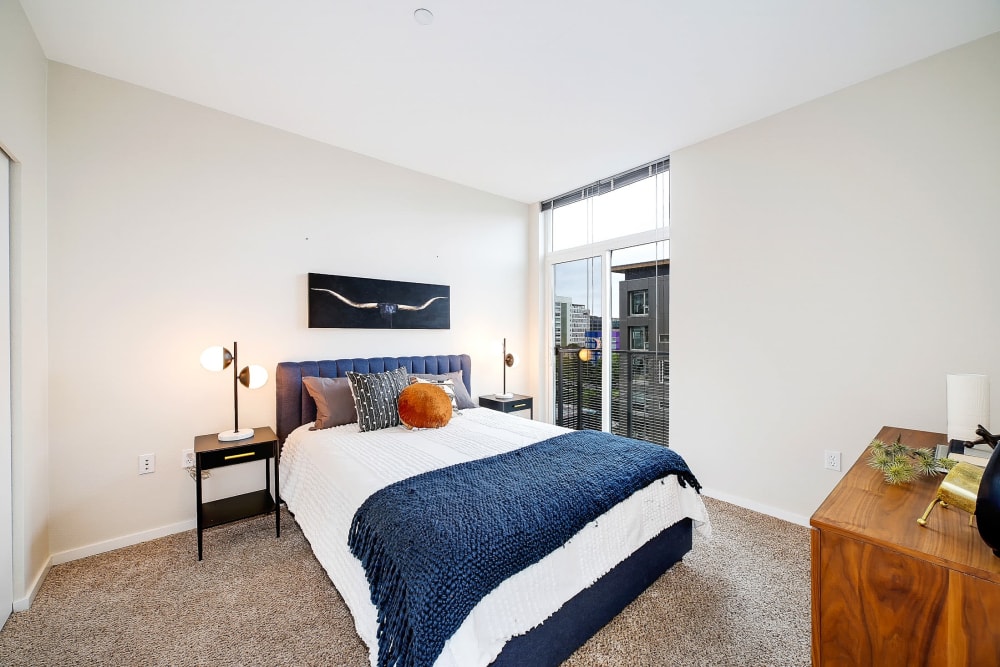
886 591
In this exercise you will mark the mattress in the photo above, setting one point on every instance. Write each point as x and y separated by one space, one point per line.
326 475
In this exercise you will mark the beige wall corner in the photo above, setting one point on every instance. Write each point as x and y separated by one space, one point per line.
23 136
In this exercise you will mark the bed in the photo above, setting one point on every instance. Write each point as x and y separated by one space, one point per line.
540 615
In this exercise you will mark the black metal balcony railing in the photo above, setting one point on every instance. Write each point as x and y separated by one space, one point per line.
640 393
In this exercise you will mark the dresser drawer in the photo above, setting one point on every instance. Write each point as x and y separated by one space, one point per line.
234 455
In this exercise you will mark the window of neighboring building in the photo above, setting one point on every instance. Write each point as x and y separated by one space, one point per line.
639 302
638 338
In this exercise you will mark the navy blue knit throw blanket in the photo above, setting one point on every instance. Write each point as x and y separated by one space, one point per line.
435 544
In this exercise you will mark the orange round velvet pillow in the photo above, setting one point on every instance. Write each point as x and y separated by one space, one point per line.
424 405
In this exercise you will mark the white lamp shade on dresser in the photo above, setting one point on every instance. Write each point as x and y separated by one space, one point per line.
968 405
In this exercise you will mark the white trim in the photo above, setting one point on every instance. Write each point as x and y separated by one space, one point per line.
124 541
25 603
543 406
617 243
606 317
757 507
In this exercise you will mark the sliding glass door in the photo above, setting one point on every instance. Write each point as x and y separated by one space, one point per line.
578 325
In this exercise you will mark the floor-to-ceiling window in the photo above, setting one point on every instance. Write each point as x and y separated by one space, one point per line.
607 266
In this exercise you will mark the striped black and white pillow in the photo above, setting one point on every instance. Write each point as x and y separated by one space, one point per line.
447 385
376 396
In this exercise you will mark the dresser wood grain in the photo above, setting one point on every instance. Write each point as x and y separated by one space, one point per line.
886 591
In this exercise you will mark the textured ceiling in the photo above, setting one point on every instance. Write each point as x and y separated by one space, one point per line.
522 98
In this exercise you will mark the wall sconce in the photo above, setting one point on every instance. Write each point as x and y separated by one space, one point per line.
218 358
509 361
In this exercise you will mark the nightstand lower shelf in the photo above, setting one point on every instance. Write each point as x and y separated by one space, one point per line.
231 509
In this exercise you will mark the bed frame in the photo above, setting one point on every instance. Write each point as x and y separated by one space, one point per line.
582 616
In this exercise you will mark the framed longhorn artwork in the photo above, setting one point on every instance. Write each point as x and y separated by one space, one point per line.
344 302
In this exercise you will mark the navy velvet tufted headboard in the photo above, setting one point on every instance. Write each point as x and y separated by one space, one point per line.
295 407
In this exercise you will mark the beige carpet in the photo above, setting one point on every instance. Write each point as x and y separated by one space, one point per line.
741 598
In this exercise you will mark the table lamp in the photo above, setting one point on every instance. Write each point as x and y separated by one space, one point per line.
509 361
218 358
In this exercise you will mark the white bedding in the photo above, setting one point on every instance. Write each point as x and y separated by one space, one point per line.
326 475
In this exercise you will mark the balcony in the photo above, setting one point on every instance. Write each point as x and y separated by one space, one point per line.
640 396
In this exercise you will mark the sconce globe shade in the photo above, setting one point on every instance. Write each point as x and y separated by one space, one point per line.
253 376
216 358
584 354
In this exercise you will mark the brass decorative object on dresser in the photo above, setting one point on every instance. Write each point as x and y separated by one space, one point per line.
886 591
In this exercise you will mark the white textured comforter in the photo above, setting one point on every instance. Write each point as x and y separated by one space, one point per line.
326 475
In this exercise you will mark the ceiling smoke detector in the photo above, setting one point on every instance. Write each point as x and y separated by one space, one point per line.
423 16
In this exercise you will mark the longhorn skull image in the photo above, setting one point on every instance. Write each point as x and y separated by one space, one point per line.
385 309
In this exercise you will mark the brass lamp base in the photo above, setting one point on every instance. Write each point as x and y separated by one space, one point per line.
960 487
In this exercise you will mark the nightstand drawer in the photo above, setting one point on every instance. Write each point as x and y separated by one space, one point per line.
234 455
512 404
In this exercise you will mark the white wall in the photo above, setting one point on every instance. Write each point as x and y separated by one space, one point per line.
22 136
829 266
173 227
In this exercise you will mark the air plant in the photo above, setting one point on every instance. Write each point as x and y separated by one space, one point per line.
901 464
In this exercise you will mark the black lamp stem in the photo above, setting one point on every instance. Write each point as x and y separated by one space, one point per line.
505 365
236 396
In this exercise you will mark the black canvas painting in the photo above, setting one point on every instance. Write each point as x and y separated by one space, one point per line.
342 302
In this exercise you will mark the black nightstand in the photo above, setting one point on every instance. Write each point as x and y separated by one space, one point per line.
518 402
210 452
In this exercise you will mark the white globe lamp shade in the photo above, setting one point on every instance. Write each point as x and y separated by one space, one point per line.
253 377
216 358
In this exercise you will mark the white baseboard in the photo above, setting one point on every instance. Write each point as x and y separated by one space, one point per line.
124 541
757 507
25 603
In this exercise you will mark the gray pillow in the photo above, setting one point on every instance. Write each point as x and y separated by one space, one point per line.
462 398
334 402
376 397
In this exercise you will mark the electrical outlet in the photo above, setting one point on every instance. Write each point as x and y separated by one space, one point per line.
147 463
187 458
831 460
